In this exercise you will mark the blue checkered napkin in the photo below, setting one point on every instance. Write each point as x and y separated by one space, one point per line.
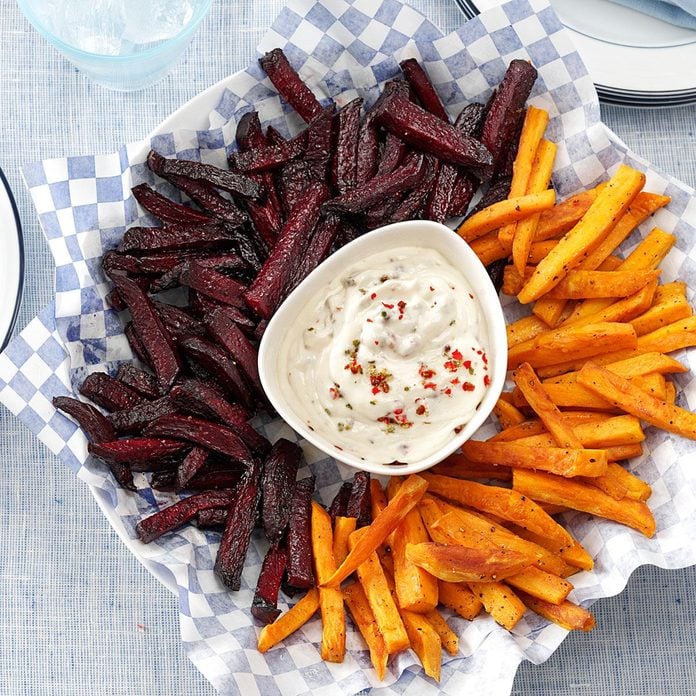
341 48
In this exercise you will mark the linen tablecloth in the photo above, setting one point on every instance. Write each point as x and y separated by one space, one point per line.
79 615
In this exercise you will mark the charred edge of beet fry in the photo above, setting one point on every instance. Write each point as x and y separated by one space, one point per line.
360 500
180 513
278 480
138 380
210 200
95 424
319 248
188 237
299 542
266 157
412 205
496 271
423 87
264 607
241 518
165 209
106 391
115 261
289 84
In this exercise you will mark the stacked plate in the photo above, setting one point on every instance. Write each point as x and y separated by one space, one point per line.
635 59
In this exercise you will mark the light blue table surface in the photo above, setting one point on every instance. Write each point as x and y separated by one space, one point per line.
78 615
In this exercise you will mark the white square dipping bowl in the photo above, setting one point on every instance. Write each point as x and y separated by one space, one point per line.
421 233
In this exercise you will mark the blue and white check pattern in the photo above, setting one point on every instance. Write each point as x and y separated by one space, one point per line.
341 48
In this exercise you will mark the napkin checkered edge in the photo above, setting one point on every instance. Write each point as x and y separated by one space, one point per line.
341 48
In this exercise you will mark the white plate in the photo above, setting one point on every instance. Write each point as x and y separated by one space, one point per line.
11 262
634 59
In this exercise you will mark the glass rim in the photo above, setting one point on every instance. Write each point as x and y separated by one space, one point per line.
60 44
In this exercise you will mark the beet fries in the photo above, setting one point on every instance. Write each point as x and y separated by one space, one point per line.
251 233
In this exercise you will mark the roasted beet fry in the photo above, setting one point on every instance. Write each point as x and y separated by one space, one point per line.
496 271
113 261
175 238
423 88
228 335
268 289
108 392
277 482
213 284
498 191
142 453
190 465
131 421
299 541
96 426
217 478
412 205
214 518
151 331
291 87
210 200
319 145
135 343
319 247
203 434
344 160
505 108
201 399
267 157
216 362
178 322
424 131
359 502
264 606
339 505
241 518
165 209
229 262
232 182
180 513
372 192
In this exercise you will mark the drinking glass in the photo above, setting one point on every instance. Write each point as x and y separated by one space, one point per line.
123 45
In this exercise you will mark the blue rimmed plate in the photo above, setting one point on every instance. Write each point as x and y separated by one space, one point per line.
11 261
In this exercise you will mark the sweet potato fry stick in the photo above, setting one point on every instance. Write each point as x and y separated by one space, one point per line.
527 428
580 285
579 496
507 414
460 599
548 412
488 248
586 235
416 590
448 638
614 452
505 211
620 484
663 311
535 122
578 341
456 563
557 460
374 583
541 584
498 600
566 214
290 621
378 498
539 180
343 528
359 608
566 614
575 555
333 619
628 397
425 642
457 466
525 329
501 502
384 524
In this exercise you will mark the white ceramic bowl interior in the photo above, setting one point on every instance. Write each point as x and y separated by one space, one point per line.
412 233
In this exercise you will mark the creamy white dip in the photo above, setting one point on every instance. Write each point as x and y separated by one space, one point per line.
389 361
